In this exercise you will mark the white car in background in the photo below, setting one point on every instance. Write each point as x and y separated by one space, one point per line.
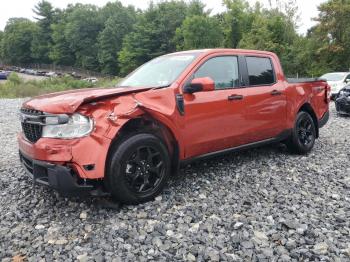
91 80
51 74
337 81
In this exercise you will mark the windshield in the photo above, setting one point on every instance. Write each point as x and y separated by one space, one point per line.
159 72
334 76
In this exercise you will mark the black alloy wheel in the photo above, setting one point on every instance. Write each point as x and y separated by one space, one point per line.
144 169
303 135
138 168
305 131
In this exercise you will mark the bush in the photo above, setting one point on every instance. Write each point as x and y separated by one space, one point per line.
16 87
14 79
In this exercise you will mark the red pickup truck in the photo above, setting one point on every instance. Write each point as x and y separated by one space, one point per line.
174 109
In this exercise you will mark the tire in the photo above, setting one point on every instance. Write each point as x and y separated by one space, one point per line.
303 135
138 169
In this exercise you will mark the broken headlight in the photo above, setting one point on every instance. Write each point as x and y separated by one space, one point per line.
76 126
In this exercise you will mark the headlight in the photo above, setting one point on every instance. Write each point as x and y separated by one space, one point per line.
77 126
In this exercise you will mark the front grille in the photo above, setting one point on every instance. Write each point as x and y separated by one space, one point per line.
32 132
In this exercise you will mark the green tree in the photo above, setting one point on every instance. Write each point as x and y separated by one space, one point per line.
153 34
42 39
60 52
2 34
272 31
237 21
334 32
199 32
81 32
17 40
118 24
196 7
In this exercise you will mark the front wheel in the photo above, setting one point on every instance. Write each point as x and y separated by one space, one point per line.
303 135
138 169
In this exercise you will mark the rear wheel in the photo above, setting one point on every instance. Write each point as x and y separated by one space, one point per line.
138 169
303 135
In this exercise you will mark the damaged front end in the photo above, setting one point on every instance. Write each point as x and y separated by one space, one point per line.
342 102
66 147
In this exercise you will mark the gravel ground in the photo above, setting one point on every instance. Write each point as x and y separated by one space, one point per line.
260 205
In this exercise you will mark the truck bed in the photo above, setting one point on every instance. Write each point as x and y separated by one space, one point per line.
303 80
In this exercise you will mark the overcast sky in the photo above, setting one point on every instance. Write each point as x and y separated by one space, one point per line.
23 8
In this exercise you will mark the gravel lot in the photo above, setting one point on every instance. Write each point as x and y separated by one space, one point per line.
260 205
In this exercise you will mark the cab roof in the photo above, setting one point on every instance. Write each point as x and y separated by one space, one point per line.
221 50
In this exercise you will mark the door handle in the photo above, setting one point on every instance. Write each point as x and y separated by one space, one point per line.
235 97
276 93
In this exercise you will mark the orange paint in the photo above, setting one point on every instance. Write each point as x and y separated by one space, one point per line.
211 122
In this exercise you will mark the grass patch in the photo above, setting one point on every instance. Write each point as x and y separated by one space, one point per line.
15 87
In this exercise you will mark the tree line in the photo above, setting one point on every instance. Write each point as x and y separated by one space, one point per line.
115 39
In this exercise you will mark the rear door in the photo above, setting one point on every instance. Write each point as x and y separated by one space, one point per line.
265 99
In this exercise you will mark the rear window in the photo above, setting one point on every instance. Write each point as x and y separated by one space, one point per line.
260 71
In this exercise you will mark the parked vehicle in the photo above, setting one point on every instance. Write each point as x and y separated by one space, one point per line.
91 80
173 110
75 75
13 69
51 74
4 75
41 73
337 81
342 102
30 72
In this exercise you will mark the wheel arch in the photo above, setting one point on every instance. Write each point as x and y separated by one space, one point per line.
306 107
148 124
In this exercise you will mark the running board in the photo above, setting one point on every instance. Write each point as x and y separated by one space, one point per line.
283 136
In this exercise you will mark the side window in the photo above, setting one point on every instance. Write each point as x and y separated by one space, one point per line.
260 71
347 78
223 70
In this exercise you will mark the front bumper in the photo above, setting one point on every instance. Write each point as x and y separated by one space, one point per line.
59 177
87 155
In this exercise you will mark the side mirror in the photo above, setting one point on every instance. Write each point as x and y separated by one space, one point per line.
347 81
203 84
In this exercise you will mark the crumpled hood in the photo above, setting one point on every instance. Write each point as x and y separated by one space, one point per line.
69 101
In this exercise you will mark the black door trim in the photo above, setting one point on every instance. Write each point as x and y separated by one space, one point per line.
283 136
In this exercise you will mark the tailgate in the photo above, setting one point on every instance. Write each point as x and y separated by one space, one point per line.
321 98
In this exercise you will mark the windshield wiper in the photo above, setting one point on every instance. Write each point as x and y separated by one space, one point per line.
159 87
151 88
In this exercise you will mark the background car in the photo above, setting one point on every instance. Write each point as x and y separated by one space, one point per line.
41 73
91 79
30 72
337 81
4 75
342 102
51 74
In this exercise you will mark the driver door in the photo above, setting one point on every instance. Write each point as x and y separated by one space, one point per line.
215 120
